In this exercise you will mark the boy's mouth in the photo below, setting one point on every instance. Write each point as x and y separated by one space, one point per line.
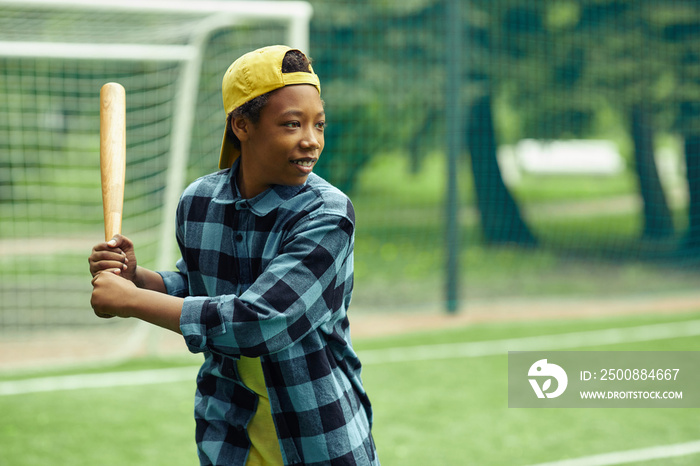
307 163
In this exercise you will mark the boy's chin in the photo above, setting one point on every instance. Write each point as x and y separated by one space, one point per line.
298 181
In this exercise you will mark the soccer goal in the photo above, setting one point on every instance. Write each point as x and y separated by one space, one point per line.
54 57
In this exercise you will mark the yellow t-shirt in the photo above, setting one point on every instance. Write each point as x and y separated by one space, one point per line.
265 448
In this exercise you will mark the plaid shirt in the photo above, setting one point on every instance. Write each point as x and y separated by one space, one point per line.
271 277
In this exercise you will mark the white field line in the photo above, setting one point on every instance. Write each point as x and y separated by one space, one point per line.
379 356
539 343
631 456
103 380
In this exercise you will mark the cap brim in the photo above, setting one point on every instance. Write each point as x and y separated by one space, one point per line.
229 153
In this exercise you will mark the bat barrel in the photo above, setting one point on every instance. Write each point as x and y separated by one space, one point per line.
112 155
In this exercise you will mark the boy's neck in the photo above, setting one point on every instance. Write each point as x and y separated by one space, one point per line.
247 192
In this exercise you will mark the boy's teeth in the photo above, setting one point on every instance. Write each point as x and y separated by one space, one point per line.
304 163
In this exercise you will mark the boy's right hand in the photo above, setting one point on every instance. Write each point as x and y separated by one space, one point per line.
117 256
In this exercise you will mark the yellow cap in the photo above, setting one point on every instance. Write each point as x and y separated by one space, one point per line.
252 75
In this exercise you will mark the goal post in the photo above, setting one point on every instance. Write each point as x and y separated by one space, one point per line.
54 57
215 15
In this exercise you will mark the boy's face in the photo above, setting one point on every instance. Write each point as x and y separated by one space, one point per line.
283 147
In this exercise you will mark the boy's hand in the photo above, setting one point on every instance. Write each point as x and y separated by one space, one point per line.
111 295
116 255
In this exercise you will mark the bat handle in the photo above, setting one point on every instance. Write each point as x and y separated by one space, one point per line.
112 155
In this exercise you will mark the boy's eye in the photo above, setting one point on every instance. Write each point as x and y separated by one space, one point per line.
321 125
292 124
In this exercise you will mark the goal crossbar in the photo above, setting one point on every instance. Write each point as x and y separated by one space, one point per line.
246 10
69 50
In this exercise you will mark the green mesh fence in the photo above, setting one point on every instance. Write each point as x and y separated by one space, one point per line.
577 163
577 173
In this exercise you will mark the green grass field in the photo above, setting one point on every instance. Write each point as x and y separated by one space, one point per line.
450 411
445 411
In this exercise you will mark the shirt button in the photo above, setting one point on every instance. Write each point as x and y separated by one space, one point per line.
239 237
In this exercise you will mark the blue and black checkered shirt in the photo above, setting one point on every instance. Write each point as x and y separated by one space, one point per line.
271 277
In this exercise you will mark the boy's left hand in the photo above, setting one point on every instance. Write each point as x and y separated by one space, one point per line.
111 294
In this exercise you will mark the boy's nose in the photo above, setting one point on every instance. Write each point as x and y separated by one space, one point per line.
310 141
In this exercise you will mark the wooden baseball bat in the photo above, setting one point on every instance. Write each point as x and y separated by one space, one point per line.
112 155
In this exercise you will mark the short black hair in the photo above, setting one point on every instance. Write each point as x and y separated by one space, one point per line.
293 61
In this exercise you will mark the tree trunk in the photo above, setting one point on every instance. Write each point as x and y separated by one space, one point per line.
692 162
658 221
501 221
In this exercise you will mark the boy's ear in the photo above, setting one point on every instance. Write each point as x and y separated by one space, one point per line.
240 127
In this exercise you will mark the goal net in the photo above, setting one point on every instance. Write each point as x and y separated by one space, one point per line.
54 58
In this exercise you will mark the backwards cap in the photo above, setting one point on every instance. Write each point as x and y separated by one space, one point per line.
252 75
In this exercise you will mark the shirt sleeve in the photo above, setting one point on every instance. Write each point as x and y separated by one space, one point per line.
176 283
299 290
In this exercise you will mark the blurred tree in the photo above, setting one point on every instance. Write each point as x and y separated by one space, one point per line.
680 30
556 64
501 222
627 69
562 62
379 64
501 219
339 60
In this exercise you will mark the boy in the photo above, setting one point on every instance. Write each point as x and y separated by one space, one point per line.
264 282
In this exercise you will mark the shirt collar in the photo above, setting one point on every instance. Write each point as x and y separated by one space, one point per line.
227 193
